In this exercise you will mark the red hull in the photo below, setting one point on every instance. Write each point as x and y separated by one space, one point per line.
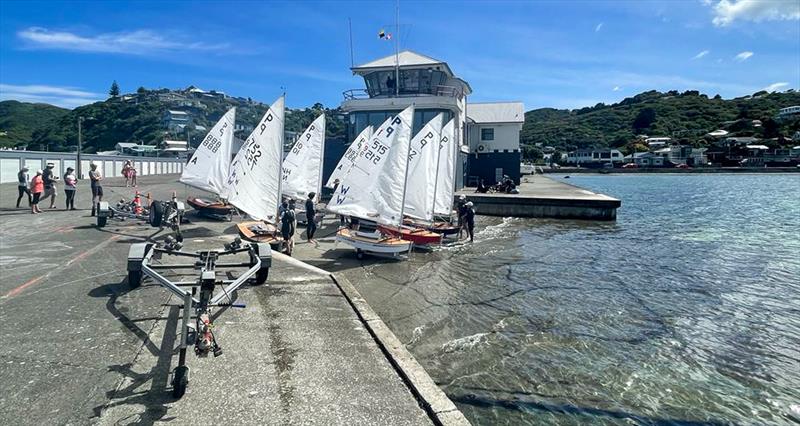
418 236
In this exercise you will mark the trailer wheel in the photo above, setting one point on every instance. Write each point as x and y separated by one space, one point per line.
101 221
359 254
261 276
156 214
134 278
180 380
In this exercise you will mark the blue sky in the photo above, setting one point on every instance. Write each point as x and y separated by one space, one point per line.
563 54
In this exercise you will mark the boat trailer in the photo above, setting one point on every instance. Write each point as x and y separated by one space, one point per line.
159 214
144 261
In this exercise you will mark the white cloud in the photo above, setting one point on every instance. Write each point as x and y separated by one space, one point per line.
728 11
701 54
616 89
135 42
776 87
743 56
598 27
67 97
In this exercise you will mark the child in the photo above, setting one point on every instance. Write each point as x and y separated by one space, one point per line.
37 188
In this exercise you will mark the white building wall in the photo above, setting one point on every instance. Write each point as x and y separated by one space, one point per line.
506 137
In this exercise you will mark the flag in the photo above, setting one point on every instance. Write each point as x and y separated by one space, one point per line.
384 35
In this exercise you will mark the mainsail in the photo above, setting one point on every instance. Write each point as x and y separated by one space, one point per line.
254 180
349 157
422 162
446 171
302 167
210 165
375 187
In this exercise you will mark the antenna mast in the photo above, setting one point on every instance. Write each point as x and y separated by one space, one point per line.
397 50
350 25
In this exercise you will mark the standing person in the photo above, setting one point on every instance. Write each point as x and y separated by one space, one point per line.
24 181
460 211
97 189
37 188
311 215
70 186
50 179
287 227
126 171
469 220
132 174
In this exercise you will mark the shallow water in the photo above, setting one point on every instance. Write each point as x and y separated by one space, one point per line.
686 310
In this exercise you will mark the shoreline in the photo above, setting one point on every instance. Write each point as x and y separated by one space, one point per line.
718 170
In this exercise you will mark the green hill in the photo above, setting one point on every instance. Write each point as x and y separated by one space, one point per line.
686 116
139 117
19 120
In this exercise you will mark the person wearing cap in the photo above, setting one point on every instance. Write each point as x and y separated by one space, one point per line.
469 220
460 211
97 190
37 188
70 186
50 179
24 181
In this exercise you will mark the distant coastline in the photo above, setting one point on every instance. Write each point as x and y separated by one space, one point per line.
582 170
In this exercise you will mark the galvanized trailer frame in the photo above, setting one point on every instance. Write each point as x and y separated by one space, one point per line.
199 334
160 214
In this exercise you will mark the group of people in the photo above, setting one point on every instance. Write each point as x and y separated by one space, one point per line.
466 217
129 172
43 186
505 186
288 221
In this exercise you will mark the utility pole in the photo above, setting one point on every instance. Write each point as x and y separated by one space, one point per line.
80 147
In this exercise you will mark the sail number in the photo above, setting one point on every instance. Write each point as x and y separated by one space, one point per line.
212 143
375 151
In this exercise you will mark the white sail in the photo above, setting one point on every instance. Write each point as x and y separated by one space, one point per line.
422 163
302 167
374 189
254 180
349 157
446 174
209 167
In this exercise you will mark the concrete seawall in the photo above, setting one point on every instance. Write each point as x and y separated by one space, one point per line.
545 197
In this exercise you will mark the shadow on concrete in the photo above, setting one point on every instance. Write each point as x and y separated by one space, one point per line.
131 390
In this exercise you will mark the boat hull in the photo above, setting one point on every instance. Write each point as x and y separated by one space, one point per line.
260 232
419 236
382 245
213 209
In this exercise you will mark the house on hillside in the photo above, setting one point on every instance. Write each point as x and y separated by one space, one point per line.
789 112
595 157
175 121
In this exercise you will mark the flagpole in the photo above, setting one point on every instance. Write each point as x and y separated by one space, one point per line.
397 50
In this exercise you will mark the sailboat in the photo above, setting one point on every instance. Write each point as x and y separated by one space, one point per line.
208 169
254 181
421 185
344 165
444 189
375 188
302 167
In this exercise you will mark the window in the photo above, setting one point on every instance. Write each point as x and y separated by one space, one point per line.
487 134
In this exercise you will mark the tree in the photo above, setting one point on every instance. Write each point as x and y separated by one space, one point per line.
114 90
141 90
530 152
645 118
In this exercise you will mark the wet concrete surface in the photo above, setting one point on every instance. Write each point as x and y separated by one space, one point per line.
81 347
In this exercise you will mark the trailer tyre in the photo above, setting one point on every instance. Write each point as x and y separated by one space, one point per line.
359 254
134 278
261 276
180 380
101 221
156 214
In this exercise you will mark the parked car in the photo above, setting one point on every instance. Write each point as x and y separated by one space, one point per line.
630 166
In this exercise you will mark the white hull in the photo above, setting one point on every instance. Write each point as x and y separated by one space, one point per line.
382 245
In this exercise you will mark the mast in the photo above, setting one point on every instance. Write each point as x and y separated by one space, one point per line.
405 174
280 166
436 179
350 25
397 51
322 156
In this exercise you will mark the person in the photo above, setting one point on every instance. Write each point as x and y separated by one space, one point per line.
390 84
97 188
50 179
24 181
462 201
469 220
132 174
508 185
126 171
287 227
70 186
37 188
311 214
482 188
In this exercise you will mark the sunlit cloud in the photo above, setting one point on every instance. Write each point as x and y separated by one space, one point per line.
741 57
66 97
598 27
701 54
728 11
616 89
139 42
777 87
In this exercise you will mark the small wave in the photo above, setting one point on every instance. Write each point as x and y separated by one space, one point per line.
467 342
415 335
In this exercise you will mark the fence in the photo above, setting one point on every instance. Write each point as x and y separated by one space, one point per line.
110 166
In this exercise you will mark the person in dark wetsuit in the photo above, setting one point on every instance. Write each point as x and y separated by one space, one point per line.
482 188
24 181
462 201
469 220
311 213
287 227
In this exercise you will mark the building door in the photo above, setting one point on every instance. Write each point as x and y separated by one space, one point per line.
498 174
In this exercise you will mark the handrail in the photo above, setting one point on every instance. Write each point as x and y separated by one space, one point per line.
440 90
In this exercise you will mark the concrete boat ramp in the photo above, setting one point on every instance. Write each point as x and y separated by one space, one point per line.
81 347
541 196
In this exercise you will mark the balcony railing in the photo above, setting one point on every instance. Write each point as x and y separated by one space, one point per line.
446 91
